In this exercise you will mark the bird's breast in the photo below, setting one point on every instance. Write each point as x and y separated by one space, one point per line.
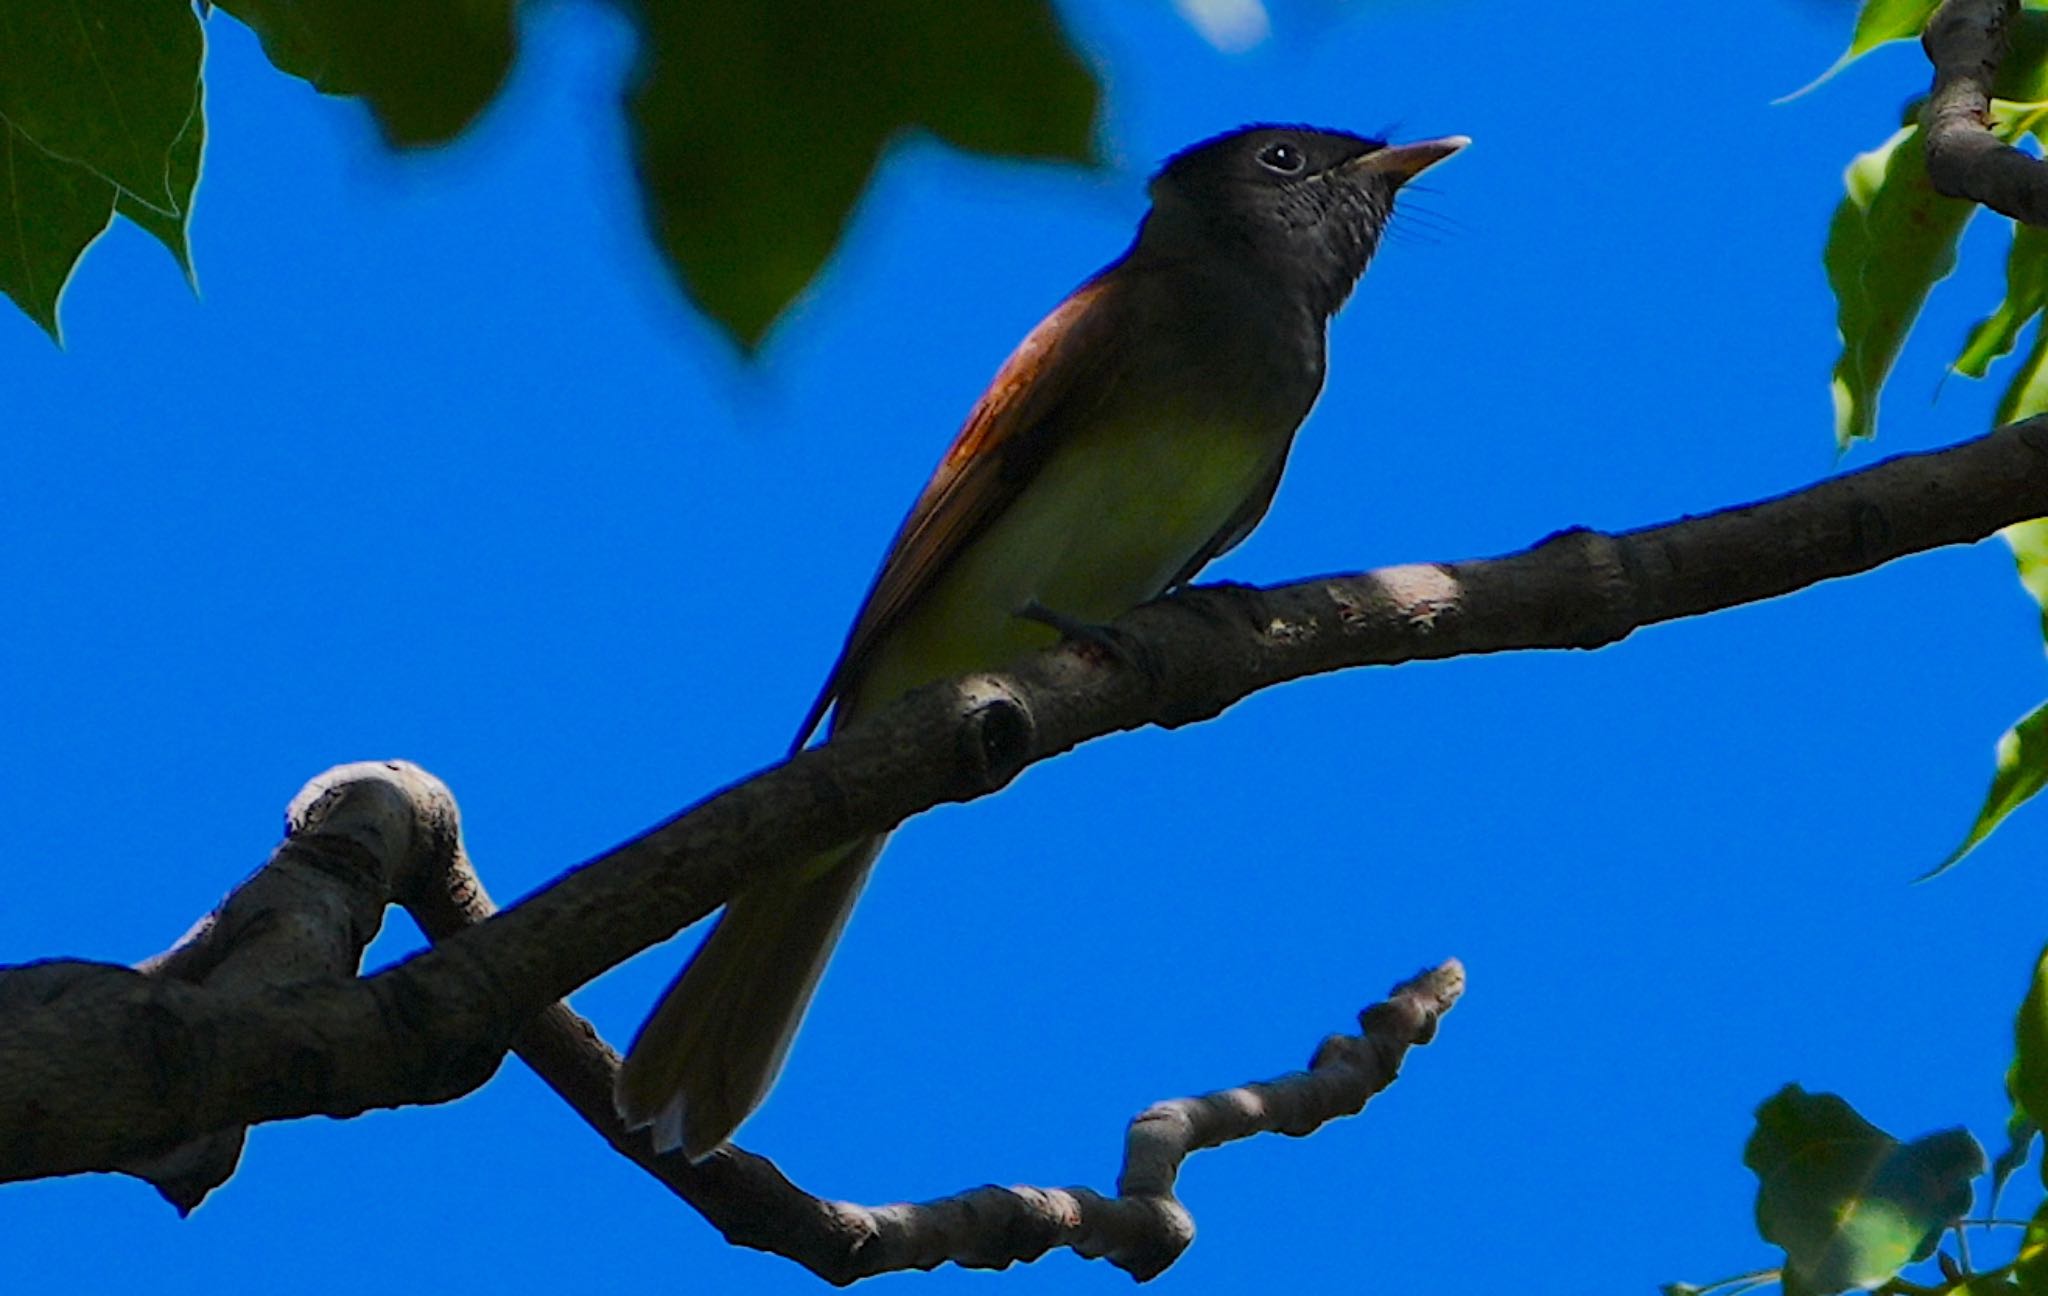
1114 512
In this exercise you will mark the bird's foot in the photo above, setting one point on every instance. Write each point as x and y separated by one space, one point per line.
1111 643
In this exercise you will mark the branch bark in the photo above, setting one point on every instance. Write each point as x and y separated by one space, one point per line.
103 1065
1142 1230
1966 42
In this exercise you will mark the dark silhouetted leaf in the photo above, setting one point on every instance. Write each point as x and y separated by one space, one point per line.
757 124
1891 240
2021 772
107 84
426 68
50 212
1850 1204
174 231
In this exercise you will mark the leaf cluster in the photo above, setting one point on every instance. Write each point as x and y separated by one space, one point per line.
755 124
1851 1207
1891 240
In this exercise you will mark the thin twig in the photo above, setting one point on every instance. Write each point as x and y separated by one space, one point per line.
1142 1229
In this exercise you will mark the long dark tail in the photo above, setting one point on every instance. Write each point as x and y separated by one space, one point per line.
713 1046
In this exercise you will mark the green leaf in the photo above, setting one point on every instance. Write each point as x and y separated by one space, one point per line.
2031 1266
50 212
106 84
2029 1078
2021 772
426 68
1892 239
756 125
2020 1133
2023 72
2027 394
2026 295
1877 22
2029 541
1850 1204
174 231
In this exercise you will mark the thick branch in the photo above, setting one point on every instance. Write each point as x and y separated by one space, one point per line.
1966 40
80 1041
103 1067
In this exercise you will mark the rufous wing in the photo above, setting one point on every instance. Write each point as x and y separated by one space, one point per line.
1056 377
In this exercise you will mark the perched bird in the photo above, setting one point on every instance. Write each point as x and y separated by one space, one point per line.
1135 434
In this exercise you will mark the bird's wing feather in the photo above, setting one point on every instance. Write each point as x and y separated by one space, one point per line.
1060 371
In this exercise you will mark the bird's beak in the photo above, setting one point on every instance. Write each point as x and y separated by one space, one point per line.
1406 161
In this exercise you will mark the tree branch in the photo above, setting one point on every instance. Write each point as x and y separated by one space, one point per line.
1142 1230
1966 41
366 835
101 1065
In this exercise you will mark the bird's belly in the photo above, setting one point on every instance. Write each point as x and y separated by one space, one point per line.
1101 528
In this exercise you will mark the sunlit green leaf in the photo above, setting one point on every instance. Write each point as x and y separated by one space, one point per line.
50 212
1990 1284
107 84
1891 240
1877 22
174 231
426 68
2029 541
757 125
2026 295
2022 770
2027 394
1850 1204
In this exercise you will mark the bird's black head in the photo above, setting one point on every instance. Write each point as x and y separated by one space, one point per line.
1298 203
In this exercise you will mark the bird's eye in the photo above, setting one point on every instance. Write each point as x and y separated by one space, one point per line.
1283 158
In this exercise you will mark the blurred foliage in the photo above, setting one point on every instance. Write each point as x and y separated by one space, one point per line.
1850 1205
425 68
756 124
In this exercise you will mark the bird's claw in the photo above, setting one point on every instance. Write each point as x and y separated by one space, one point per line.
1119 646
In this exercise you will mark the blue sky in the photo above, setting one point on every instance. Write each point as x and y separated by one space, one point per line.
439 467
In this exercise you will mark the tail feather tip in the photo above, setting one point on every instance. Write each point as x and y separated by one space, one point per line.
669 1127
